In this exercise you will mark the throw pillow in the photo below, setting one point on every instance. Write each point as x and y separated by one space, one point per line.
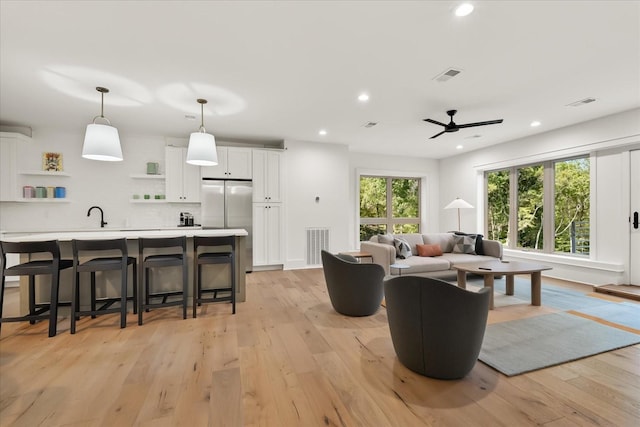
479 247
403 250
387 239
464 245
429 250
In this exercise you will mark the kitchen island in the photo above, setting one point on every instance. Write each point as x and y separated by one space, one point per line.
132 236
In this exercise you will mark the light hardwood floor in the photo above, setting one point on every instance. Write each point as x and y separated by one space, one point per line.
285 359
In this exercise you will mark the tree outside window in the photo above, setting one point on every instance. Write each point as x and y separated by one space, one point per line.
389 204
566 216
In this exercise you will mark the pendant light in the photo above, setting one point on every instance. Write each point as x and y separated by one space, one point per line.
202 145
101 142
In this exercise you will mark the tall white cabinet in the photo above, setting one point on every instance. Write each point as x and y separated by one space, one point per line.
8 170
268 209
182 180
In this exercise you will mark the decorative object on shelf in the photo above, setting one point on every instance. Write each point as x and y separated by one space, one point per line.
101 142
28 192
60 192
153 168
458 203
52 162
202 145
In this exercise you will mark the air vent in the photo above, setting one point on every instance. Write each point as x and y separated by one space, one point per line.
582 102
370 124
189 117
447 75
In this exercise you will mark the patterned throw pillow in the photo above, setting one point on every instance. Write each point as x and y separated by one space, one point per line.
403 250
464 245
479 247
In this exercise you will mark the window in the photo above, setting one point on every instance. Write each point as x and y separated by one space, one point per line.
389 204
571 201
542 207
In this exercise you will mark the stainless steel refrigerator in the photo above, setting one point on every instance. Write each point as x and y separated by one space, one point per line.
229 204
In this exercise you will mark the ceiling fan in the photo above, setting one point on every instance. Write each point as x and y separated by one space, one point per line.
452 127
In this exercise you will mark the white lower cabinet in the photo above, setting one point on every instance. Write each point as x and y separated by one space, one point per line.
267 234
182 180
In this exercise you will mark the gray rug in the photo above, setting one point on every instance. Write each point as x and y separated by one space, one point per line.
526 345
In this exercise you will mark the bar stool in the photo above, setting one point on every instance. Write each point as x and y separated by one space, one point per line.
218 257
103 263
32 269
158 261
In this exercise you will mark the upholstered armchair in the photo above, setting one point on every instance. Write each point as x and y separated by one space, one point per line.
437 328
354 289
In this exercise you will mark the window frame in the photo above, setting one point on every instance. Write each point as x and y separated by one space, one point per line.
548 205
389 221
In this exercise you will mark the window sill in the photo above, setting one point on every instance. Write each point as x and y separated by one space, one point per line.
564 260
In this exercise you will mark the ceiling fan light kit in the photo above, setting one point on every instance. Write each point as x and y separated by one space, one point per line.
453 127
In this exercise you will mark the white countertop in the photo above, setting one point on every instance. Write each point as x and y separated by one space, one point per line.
127 234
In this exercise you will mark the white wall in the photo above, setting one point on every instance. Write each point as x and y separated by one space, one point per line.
106 184
609 140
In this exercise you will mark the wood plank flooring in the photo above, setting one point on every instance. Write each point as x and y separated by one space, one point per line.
285 359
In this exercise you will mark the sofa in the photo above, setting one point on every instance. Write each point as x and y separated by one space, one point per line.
440 252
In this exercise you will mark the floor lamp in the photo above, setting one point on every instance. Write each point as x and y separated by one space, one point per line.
458 203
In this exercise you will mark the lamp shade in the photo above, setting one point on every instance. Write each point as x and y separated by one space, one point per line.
458 203
102 142
202 149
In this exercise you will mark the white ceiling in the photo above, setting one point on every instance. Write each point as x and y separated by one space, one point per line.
284 70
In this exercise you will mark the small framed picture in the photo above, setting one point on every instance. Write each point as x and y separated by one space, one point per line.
52 162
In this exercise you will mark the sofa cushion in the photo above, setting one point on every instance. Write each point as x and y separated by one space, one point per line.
403 251
429 250
455 259
479 247
419 264
387 239
412 239
445 240
464 245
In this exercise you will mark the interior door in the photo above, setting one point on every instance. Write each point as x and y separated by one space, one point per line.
634 252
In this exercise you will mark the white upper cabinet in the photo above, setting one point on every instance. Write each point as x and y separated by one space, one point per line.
182 180
233 163
267 182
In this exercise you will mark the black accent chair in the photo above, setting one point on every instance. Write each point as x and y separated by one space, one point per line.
159 260
437 328
105 262
219 256
354 289
34 268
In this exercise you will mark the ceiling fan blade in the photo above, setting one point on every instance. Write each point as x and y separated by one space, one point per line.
489 122
434 122
438 134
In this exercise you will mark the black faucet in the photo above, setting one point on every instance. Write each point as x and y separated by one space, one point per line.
102 221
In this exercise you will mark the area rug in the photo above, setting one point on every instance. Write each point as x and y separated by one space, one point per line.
525 345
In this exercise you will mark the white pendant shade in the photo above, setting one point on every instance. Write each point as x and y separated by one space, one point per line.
102 142
202 150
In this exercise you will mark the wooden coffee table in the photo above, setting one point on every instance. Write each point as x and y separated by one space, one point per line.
359 255
488 269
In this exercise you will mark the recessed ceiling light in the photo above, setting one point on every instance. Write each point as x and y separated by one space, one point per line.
459 147
535 123
363 97
464 9
322 132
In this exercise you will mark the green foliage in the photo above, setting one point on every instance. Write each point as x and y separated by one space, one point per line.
571 206
498 198
373 197
572 186
530 193
403 197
